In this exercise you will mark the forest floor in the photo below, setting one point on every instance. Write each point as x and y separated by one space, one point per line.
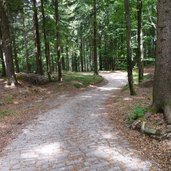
35 100
122 105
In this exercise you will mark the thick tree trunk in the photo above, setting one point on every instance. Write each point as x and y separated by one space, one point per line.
129 60
39 69
95 38
7 44
162 78
46 42
58 41
139 40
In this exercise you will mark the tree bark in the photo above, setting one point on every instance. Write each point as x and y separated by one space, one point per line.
1 55
58 41
46 42
39 69
7 43
95 38
162 77
129 55
17 69
81 50
28 66
139 40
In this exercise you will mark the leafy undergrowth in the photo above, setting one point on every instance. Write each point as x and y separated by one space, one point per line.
136 107
21 104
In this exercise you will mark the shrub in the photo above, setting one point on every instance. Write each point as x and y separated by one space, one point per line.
137 113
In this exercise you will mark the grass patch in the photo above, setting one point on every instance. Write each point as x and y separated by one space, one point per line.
79 80
137 113
8 99
4 113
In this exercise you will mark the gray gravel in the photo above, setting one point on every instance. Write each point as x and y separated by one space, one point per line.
78 135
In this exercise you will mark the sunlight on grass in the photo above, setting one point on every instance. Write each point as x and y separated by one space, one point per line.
81 80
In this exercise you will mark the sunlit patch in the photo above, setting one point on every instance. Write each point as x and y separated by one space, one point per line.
43 151
2 126
12 86
87 96
127 98
121 156
107 136
108 88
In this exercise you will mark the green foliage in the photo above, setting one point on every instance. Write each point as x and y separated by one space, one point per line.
76 26
80 80
137 113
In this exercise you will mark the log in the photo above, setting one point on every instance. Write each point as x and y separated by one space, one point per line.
149 131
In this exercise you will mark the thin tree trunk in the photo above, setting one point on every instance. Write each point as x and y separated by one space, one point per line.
46 42
100 54
39 69
17 69
81 51
1 56
129 60
95 38
28 66
7 44
67 59
139 40
58 41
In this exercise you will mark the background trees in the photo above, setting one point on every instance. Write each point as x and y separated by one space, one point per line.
54 36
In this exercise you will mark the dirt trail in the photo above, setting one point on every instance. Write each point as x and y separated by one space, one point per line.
78 135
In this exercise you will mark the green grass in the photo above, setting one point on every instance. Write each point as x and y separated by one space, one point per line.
137 113
135 78
4 113
79 80
8 99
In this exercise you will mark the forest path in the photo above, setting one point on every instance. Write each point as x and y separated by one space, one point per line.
78 135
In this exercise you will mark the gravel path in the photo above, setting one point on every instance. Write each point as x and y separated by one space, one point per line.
78 135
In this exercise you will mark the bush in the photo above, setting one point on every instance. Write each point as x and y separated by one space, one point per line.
137 113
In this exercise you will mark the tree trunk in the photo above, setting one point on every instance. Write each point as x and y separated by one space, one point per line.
67 59
129 60
39 69
46 42
58 41
100 54
162 78
81 51
1 56
95 38
17 69
28 66
7 44
139 40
